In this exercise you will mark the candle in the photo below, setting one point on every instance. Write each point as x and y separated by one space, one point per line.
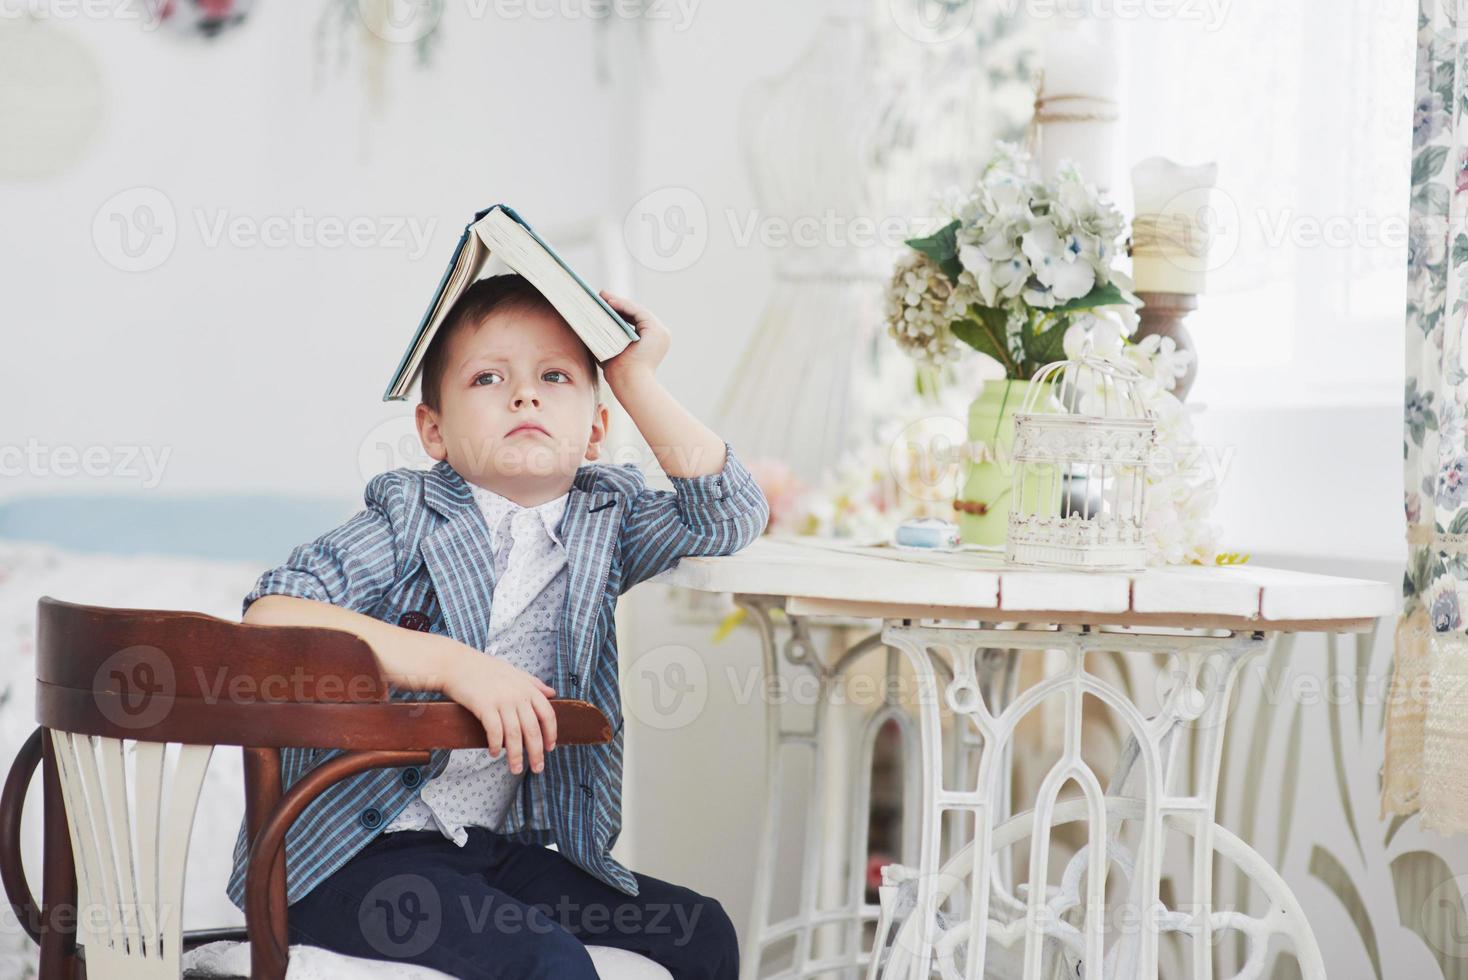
1175 223
1077 107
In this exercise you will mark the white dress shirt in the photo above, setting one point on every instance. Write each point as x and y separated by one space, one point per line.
475 788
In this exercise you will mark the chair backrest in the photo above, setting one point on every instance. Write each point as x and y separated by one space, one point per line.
134 701
168 676
129 840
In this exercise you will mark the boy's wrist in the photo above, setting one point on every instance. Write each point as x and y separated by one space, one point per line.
418 661
628 378
442 656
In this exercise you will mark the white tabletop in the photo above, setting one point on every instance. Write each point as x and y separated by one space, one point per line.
827 576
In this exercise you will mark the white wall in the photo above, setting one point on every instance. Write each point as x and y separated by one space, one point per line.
1320 481
260 367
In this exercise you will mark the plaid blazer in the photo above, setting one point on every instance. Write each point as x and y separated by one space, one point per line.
420 555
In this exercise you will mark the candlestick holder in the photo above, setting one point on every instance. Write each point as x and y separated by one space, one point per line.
1165 314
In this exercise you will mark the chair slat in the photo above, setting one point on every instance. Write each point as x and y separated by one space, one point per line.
176 828
148 800
83 839
114 782
105 867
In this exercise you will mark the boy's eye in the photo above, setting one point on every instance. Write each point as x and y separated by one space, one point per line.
560 377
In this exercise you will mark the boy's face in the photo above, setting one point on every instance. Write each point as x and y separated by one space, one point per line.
518 412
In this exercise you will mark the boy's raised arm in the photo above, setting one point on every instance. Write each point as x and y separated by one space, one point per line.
683 445
715 507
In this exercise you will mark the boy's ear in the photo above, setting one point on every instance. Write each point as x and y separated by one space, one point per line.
600 420
429 433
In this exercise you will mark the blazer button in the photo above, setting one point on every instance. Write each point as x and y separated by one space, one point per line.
414 620
412 777
371 817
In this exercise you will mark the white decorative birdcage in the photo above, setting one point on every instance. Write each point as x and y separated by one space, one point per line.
1080 467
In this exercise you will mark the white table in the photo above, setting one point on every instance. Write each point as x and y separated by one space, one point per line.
963 622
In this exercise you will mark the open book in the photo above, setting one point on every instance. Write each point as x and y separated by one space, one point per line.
498 230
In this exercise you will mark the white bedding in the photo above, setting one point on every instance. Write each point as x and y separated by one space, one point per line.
311 963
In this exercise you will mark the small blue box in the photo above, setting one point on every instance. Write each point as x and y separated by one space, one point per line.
928 532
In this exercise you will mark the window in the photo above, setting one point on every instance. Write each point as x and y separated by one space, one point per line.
1307 108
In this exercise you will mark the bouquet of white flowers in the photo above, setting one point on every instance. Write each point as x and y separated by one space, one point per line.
1024 272
1021 261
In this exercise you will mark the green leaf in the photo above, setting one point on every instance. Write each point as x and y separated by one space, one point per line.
1444 84
983 330
942 247
1433 198
1047 345
1430 904
1460 523
1326 869
1460 249
1426 164
1108 295
1436 569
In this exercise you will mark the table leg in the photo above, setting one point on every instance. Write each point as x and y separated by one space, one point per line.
1151 790
797 722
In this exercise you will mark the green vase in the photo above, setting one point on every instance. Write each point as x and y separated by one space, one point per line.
983 504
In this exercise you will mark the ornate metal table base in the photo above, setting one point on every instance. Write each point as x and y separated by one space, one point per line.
952 906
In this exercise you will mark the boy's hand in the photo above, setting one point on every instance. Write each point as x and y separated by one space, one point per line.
643 356
512 705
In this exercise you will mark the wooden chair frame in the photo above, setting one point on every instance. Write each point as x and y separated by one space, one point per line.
89 660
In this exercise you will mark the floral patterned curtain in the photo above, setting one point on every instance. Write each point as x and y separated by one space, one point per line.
1426 765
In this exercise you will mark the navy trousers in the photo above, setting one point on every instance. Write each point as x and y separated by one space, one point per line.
498 909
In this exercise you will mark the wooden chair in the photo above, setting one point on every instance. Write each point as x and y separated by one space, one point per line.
164 679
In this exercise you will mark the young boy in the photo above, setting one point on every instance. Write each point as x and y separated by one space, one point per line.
492 578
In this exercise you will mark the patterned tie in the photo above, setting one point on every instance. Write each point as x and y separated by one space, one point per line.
504 540
522 543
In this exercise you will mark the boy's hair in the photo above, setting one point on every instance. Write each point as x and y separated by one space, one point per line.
478 301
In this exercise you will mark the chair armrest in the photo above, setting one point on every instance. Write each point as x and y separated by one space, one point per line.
262 723
269 950
375 735
397 725
12 803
